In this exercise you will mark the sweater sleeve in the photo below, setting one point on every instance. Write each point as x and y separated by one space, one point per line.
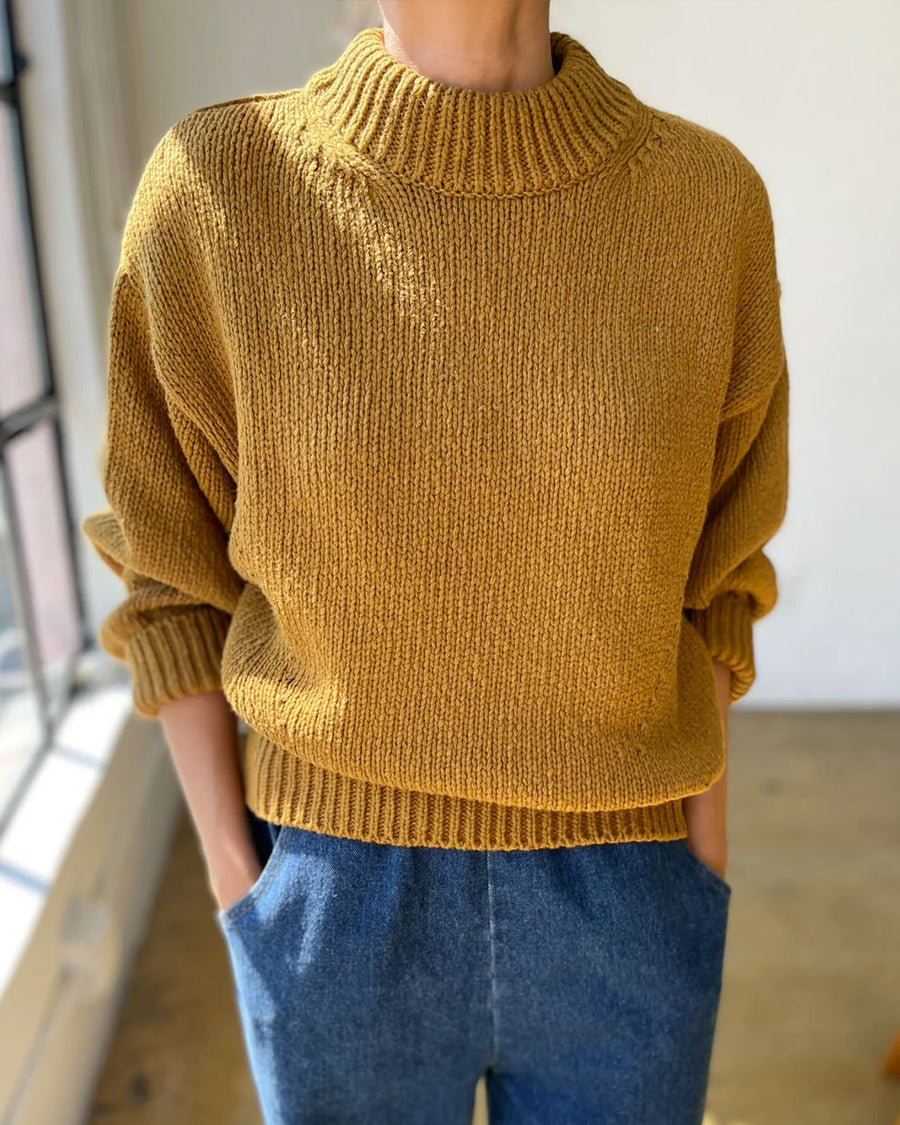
732 582
167 461
164 531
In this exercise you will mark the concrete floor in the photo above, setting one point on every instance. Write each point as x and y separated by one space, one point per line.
811 996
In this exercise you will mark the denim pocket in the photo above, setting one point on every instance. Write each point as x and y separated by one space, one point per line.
702 868
227 915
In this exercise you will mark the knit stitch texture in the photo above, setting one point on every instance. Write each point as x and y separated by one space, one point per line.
446 428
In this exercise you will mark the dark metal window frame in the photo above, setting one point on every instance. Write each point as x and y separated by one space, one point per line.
44 407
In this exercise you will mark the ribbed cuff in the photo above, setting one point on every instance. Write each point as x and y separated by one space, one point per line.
726 625
177 656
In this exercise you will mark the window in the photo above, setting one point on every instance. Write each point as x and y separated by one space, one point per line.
42 626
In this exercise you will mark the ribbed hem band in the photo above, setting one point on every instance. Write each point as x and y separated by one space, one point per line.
283 788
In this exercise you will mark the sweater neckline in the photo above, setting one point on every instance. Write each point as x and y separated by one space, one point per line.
477 142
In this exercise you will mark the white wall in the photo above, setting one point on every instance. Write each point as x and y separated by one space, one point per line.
806 89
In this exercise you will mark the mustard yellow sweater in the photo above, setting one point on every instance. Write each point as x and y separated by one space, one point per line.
445 431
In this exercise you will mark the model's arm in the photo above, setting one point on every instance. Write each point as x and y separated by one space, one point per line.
201 731
166 528
164 533
732 582
705 813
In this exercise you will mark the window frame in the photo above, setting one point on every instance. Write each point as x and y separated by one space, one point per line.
42 408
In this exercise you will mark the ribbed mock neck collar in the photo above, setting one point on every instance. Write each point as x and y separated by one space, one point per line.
477 142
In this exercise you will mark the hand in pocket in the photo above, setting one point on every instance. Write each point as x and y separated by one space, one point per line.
232 867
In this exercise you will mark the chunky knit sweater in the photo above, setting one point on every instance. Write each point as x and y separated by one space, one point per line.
445 431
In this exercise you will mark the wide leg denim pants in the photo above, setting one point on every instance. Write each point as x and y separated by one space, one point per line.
376 983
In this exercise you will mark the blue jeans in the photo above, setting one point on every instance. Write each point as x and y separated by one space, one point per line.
376 983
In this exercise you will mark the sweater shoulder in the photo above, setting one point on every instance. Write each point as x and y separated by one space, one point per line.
700 166
187 177
693 143
735 184
231 128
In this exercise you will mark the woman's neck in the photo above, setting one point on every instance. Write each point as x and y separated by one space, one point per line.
500 46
